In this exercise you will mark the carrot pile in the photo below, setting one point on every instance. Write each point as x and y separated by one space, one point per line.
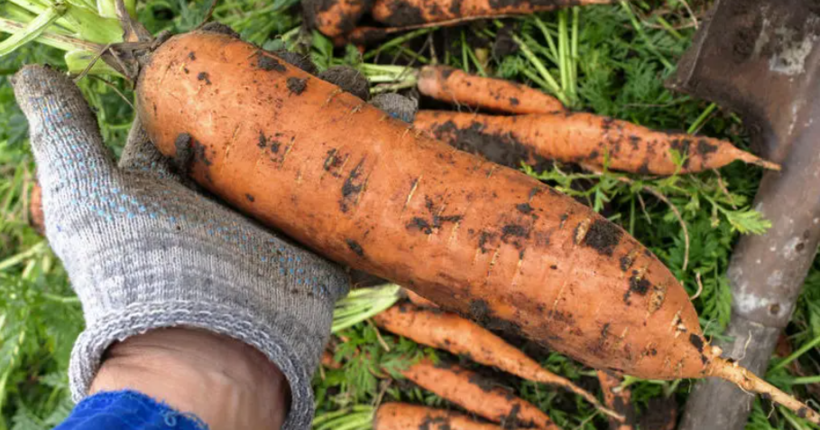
460 386
351 183
460 336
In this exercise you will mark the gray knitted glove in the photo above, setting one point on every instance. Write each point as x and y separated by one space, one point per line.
397 105
144 252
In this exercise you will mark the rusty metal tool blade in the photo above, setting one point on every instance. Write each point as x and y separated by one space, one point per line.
760 58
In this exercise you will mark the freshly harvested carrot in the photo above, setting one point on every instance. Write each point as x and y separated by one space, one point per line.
334 18
459 336
35 209
455 86
617 400
366 190
477 395
585 138
399 13
403 416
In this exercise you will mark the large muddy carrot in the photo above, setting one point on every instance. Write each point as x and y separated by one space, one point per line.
403 416
477 395
459 336
584 138
455 86
366 190
399 13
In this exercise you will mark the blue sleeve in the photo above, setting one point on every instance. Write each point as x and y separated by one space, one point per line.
127 410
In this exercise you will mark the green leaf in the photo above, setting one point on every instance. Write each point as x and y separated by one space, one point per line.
747 222
33 30
78 60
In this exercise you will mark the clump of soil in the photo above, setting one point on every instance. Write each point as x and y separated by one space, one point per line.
301 61
216 27
348 79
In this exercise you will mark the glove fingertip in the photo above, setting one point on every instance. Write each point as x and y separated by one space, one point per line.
63 131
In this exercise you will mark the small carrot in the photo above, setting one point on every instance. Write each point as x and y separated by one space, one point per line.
618 399
403 416
455 86
584 138
35 209
419 300
336 17
460 336
475 394
399 13
330 362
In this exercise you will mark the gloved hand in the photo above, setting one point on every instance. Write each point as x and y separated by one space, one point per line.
145 252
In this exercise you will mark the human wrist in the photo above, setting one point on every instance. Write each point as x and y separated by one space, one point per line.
226 383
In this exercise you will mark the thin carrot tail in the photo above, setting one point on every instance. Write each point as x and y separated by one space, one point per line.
748 381
750 158
553 379
767 164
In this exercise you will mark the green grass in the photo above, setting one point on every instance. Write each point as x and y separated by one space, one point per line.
609 60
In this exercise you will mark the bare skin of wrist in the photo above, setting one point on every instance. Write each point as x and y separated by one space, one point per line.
226 383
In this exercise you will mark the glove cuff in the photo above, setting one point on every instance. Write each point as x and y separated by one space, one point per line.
139 318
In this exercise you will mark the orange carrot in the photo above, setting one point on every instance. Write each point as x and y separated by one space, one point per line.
459 336
334 18
328 360
618 400
455 86
399 13
362 36
402 416
419 300
35 209
346 180
477 395
585 138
